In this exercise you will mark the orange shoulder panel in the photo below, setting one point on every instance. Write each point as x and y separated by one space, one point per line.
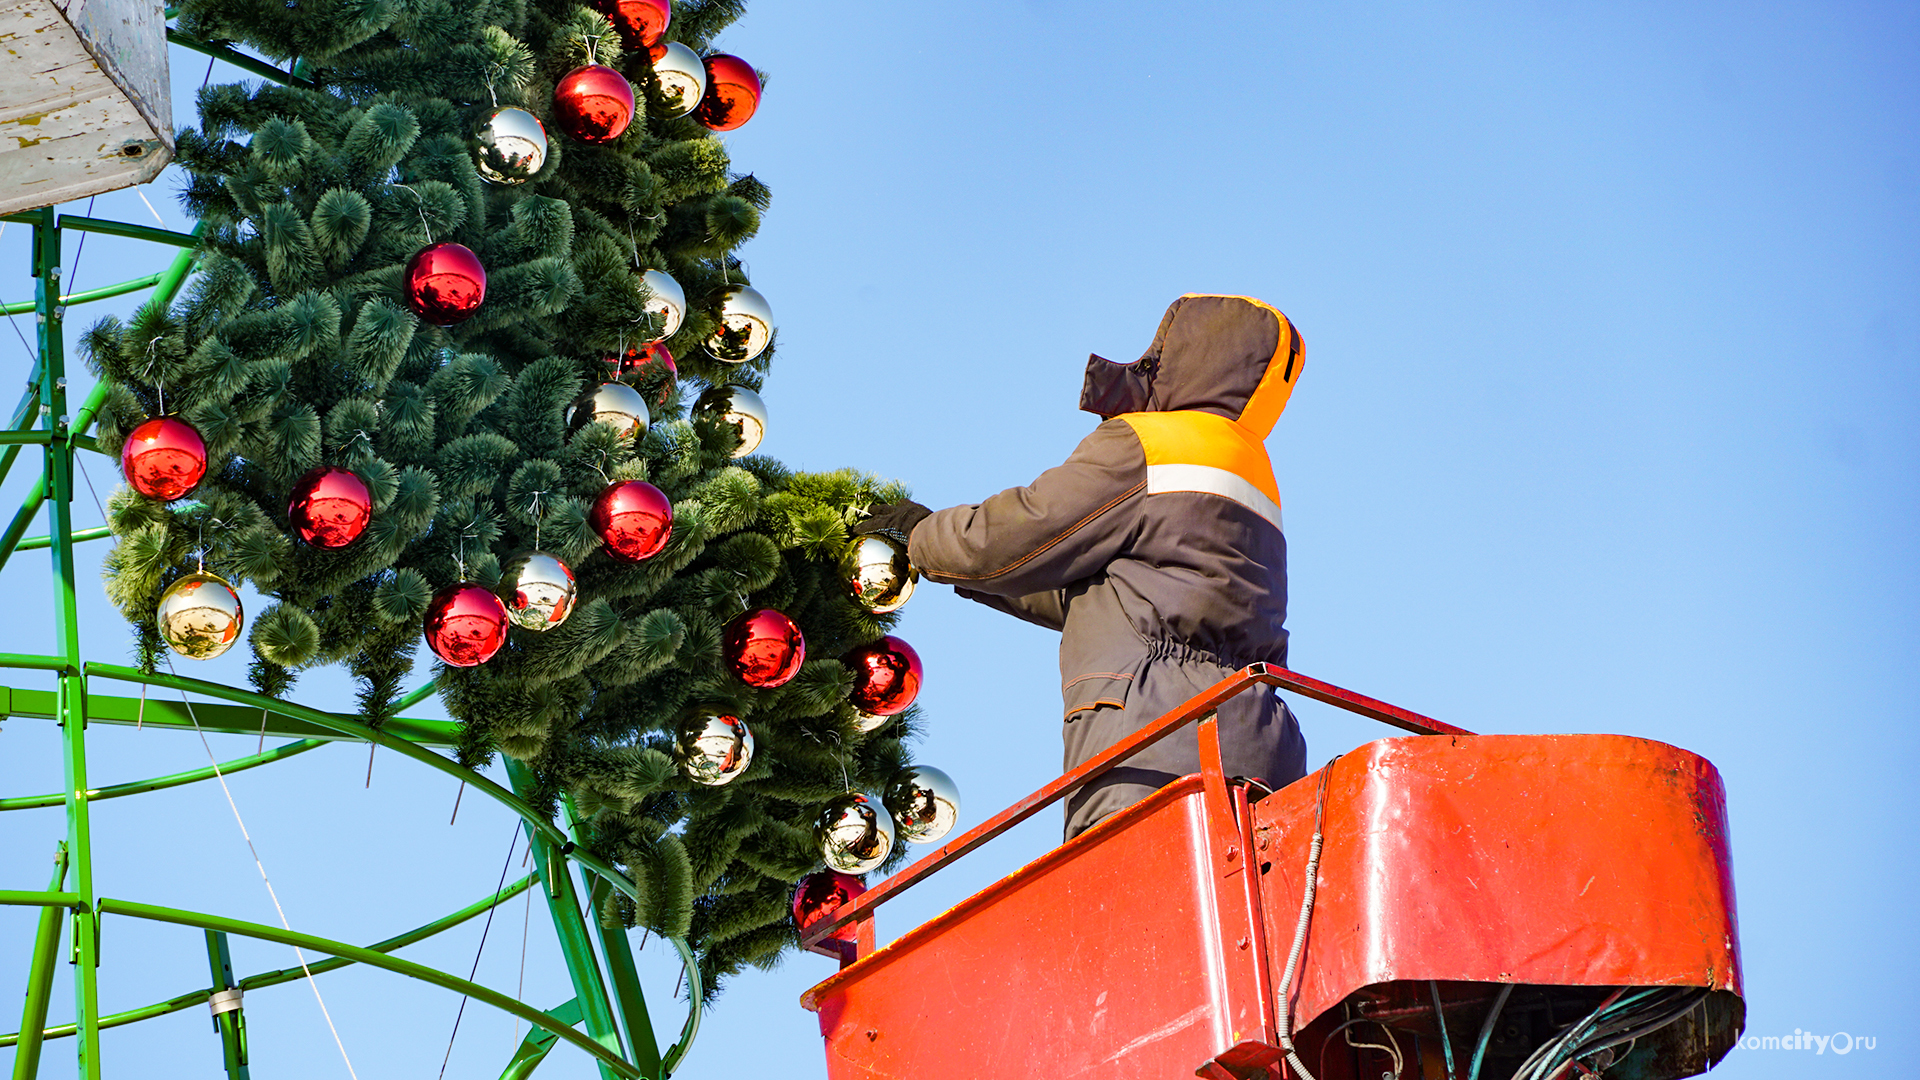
1199 438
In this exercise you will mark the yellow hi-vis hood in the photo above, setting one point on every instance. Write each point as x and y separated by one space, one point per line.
1231 356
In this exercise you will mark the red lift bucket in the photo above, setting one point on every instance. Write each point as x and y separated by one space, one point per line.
1514 892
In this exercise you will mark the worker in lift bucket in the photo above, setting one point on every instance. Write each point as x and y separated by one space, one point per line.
1156 550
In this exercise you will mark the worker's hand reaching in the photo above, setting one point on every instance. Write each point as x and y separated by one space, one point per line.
896 519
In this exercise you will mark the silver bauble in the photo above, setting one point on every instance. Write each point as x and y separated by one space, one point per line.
877 574
746 326
855 833
740 407
199 616
511 147
683 78
538 590
667 302
925 803
610 403
713 750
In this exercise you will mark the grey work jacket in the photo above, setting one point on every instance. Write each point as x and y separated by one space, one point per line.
1156 550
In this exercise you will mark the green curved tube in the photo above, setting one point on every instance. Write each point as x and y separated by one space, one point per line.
98 532
26 307
274 978
371 958
136 787
358 730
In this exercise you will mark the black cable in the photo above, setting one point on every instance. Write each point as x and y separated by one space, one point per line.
1440 1014
515 842
1486 1031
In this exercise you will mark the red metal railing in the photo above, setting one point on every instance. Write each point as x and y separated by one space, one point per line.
860 910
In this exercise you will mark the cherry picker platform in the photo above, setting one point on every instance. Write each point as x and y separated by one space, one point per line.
1445 905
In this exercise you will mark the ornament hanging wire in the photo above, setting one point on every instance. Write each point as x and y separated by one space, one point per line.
422 207
846 781
534 510
153 358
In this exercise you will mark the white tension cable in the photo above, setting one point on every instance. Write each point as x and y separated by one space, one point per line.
277 909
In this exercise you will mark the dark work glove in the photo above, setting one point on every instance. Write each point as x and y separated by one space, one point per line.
896 519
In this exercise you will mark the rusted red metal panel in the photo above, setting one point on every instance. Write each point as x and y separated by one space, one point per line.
1118 954
1569 860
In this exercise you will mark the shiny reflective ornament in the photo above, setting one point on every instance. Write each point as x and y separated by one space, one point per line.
666 301
511 147
713 750
740 407
466 624
538 591
877 574
650 362
330 507
733 92
199 616
746 326
164 458
886 679
593 103
764 648
610 403
639 22
925 803
683 78
634 520
821 895
855 833
445 283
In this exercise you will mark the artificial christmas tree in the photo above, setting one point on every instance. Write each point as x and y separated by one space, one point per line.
368 454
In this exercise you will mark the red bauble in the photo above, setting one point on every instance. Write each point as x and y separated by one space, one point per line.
466 624
330 507
639 22
733 92
764 648
634 520
593 103
821 895
651 361
164 458
445 283
886 676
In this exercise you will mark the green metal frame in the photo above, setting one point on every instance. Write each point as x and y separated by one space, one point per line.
607 1018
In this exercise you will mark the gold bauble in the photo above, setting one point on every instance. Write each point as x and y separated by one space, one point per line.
613 403
925 802
511 147
714 750
740 407
199 616
745 327
877 574
538 590
855 833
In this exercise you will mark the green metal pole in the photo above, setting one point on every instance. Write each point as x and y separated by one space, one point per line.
228 1020
23 417
577 948
46 945
627 995
533 1049
171 279
71 699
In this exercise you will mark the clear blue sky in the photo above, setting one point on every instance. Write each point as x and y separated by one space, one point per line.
1608 425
